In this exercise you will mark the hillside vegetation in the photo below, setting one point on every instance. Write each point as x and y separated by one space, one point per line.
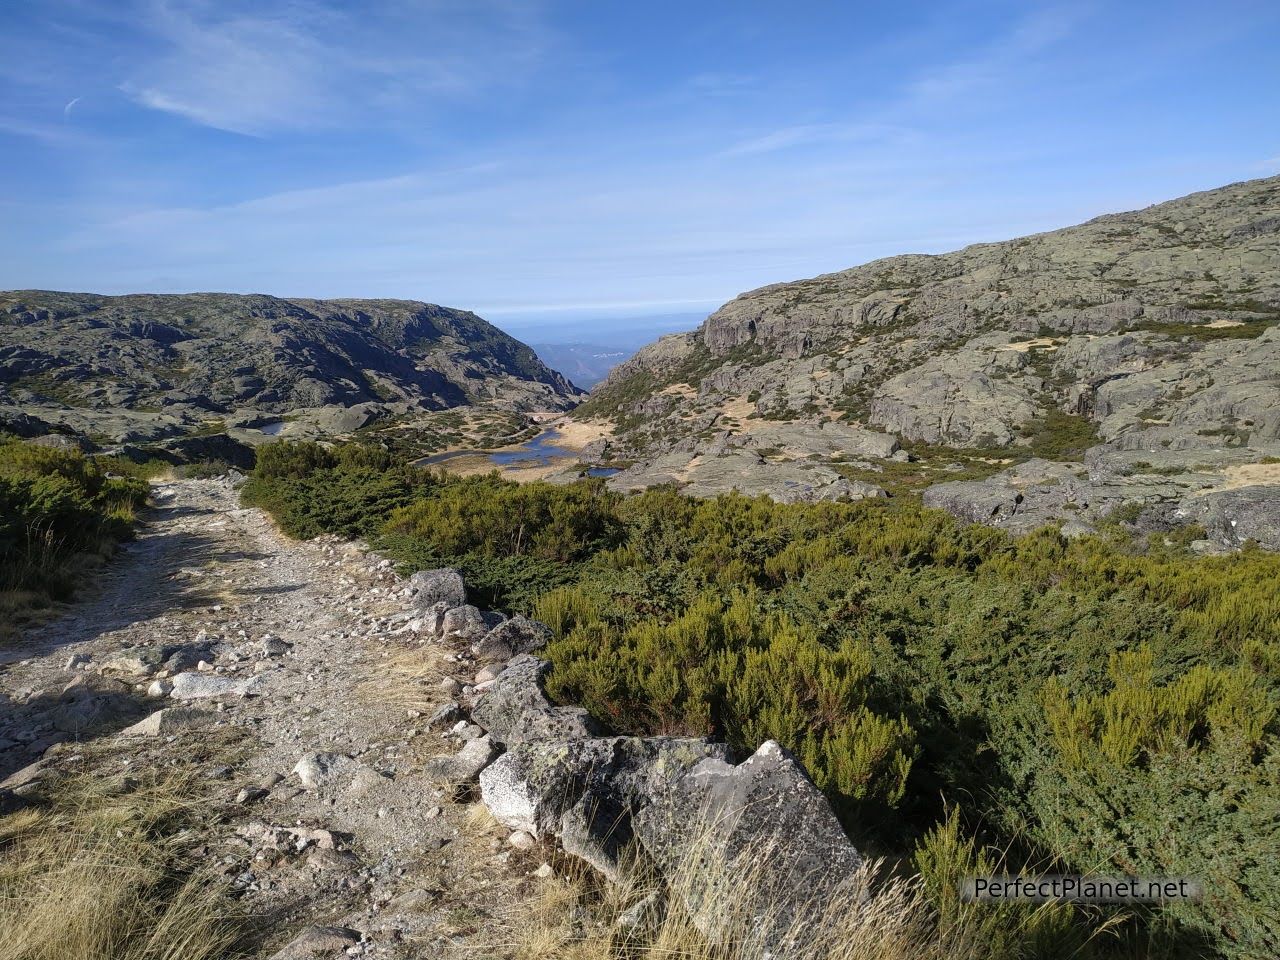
1102 704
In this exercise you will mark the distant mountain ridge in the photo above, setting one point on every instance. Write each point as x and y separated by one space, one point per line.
585 364
142 366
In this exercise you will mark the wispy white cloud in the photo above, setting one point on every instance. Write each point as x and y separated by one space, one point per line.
809 134
991 67
286 66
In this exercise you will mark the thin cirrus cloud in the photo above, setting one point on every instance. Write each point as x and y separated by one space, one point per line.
297 67
516 154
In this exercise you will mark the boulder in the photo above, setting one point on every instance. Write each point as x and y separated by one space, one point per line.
758 837
151 658
94 704
1232 517
427 587
586 792
512 637
139 661
980 501
196 686
467 624
514 709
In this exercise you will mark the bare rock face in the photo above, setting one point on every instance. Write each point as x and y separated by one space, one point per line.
759 830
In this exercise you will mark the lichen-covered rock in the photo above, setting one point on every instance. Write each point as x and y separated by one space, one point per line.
1232 517
467 624
428 587
515 709
585 792
980 501
759 830
511 638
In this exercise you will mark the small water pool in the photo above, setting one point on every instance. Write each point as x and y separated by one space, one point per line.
541 451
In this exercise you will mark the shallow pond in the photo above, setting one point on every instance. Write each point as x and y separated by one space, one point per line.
538 452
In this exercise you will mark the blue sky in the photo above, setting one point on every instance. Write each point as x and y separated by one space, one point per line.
533 159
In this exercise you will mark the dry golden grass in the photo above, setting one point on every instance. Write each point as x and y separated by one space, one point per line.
717 909
406 676
102 873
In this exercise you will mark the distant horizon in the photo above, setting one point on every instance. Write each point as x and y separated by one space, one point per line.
543 161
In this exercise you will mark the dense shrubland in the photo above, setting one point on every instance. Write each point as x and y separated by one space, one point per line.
60 514
1101 704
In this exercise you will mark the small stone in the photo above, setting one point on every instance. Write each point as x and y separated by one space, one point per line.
491 672
274 646
204 666
544 872
451 686
250 794
159 688
163 723
521 840
448 713
75 661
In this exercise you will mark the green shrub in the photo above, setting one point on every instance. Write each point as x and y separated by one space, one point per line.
1098 703
59 514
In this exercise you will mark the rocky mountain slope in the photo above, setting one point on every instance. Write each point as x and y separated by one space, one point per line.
147 367
1131 359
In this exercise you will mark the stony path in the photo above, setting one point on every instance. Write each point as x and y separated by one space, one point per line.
304 651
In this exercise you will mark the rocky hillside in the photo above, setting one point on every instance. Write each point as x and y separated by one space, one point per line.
1132 358
146 367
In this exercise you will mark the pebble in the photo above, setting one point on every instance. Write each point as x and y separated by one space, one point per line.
521 840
